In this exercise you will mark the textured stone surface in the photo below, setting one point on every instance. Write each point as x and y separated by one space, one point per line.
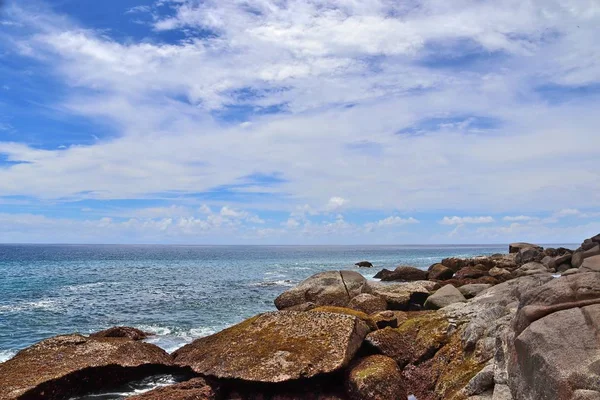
402 273
331 288
67 365
473 289
368 303
443 297
439 272
277 347
515 247
591 264
375 377
531 268
399 296
122 331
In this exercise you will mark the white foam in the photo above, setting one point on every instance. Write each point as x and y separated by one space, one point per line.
170 339
6 355
49 305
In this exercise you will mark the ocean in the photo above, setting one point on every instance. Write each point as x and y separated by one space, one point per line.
178 293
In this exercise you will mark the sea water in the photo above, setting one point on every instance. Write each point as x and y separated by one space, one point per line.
178 293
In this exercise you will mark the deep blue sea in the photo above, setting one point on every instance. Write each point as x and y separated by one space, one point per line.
177 292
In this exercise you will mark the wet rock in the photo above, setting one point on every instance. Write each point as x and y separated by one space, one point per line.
402 273
331 288
277 347
443 297
473 289
368 303
401 296
438 272
364 264
122 331
375 377
69 365
516 247
194 389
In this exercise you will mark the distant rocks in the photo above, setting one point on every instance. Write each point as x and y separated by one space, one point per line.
364 264
331 288
69 365
277 347
402 273
516 247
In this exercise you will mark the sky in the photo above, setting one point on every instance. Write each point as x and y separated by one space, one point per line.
299 121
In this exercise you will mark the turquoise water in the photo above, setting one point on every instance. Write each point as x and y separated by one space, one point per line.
177 292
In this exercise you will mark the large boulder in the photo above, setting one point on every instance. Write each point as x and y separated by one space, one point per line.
402 273
330 288
556 348
473 289
277 347
69 365
529 254
122 331
375 377
443 297
516 247
580 256
194 389
470 273
401 296
532 268
439 272
368 303
591 264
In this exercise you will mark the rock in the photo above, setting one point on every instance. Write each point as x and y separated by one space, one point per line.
486 280
401 296
531 268
443 297
402 273
557 354
500 273
194 389
347 311
516 247
331 288
277 347
69 365
579 257
302 307
392 319
364 264
570 272
438 272
528 254
564 267
501 392
469 273
454 263
482 382
122 331
368 303
591 264
596 239
587 244
473 289
375 377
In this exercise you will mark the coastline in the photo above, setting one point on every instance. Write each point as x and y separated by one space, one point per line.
457 331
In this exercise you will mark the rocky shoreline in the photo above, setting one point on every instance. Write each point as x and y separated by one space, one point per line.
523 325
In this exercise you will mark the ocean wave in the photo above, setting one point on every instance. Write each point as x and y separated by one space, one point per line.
6 355
171 338
83 286
282 282
48 305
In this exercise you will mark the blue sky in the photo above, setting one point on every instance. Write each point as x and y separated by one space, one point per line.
299 122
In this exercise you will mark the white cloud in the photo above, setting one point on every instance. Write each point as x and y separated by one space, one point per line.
390 222
335 204
519 218
466 220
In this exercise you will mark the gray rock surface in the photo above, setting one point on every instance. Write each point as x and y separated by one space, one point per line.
443 297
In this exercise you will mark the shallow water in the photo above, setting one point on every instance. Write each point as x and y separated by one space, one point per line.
178 293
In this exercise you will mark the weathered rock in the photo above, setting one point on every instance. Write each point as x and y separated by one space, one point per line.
402 273
364 264
277 347
69 365
587 244
579 257
469 273
529 254
194 389
348 311
368 303
570 271
563 267
443 297
591 264
482 382
392 319
438 272
455 263
500 273
531 268
331 288
473 289
400 296
122 331
596 238
486 280
516 247
302 307
375 377
557 354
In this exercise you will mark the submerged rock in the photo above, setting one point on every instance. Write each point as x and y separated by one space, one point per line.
375 377
69 365
277 347
331 288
